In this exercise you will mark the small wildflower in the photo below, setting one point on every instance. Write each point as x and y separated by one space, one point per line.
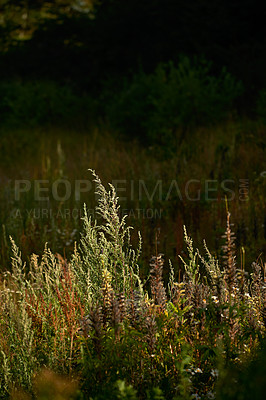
195 396
190 371
198 370
215 373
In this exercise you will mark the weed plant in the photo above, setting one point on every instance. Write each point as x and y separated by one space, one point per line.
91 324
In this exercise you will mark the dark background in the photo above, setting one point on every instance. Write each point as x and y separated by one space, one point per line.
117 37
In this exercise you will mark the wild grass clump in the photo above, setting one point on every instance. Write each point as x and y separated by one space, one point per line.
91 323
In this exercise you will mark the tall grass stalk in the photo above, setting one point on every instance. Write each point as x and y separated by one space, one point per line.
90 318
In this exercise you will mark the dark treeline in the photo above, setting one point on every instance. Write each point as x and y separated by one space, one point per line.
119 37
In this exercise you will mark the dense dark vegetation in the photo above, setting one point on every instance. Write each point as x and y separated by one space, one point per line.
210 54
116 37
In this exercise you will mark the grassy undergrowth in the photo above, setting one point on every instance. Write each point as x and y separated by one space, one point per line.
159 193
89 327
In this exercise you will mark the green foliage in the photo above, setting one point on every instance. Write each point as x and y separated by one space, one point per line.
106 253
39 103
156 105
244 380
19 20
91 319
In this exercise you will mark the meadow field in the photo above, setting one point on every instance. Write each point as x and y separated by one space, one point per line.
132 200
93 309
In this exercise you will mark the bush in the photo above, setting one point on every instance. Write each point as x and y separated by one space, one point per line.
39 102
153 107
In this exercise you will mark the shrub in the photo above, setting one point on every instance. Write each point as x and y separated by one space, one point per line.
39 103
153 106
